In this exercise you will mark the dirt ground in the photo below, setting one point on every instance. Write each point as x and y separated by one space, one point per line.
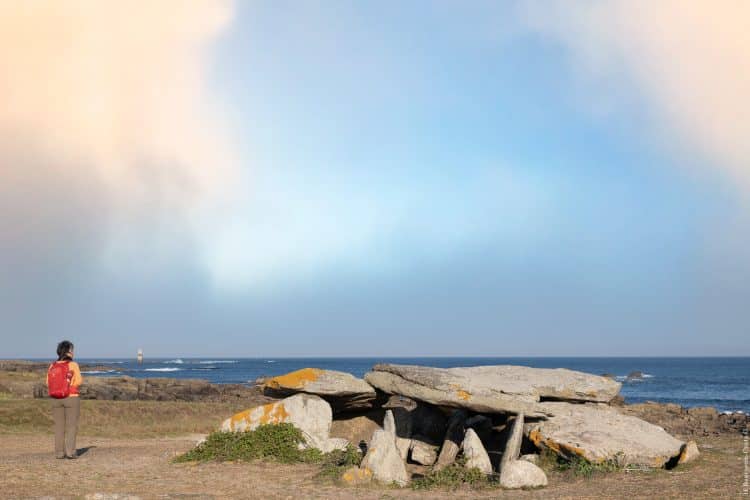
142 467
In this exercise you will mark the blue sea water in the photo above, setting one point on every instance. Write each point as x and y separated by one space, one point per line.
720 382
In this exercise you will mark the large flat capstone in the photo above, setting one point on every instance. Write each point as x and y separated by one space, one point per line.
342 390
601 433
492 389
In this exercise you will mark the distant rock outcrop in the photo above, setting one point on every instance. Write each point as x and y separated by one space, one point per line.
125 388
689 422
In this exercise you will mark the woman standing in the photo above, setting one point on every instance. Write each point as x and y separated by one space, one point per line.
63 380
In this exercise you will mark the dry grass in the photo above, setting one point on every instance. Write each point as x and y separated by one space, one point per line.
133 419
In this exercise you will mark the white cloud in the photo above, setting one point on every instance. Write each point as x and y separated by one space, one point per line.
109 136
689 59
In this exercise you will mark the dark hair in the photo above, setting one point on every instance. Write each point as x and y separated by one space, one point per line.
63 349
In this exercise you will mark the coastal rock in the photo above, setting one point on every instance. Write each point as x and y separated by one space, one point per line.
476 455
491 389
342 390
522 474
126 388
687 423
600 433
398 422
703 413
634 375
384 460
689 452
530 457
422 451
310 414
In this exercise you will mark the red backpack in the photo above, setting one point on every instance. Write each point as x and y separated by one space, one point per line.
58 380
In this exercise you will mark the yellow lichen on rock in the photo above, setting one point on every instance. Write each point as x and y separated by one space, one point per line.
271 413
274 413
239 417
463 395
355 475
560 448
295 380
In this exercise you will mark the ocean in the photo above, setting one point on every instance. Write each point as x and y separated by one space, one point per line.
723 383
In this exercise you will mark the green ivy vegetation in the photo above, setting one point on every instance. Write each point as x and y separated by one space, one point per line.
334 464
278 442
454 476
577 466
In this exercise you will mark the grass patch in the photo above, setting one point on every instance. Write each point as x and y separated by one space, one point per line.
125 419
576 466
277 442
453 477
334 464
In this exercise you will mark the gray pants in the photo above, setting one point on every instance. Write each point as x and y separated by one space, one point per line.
65 412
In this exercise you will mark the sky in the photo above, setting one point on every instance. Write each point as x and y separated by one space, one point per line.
421 178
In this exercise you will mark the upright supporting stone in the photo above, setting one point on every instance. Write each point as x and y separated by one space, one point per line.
515 473
383 459
389 423
476 455
513 445
398 422
454 436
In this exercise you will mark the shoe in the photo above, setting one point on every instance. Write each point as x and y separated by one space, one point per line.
72 457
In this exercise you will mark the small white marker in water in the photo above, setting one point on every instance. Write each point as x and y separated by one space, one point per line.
139 356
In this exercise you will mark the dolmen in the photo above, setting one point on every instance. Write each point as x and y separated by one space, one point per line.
484 413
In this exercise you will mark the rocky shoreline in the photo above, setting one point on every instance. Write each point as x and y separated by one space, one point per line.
25 379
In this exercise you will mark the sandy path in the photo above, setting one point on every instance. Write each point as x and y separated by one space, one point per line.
142 467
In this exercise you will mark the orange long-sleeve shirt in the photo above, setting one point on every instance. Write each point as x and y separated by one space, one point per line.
75 381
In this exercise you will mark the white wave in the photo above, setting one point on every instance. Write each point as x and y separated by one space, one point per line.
211 362
177 361
625 378
270 361
98 371
163 370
